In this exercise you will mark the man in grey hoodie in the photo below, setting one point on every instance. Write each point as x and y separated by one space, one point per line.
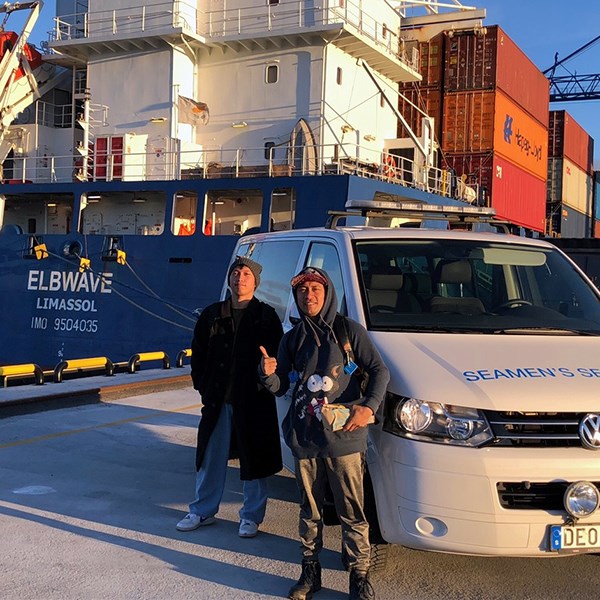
323 369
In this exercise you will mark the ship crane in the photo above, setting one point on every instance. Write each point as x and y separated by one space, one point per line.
23 76
572 87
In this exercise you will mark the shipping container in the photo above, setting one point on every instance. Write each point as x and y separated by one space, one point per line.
431 61
487 59
429 100
597 228
596 199
567 138
476 122
517 195
568 184
572 223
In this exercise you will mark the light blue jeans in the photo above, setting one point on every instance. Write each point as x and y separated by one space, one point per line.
210 479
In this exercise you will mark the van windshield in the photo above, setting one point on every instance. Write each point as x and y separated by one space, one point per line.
473 286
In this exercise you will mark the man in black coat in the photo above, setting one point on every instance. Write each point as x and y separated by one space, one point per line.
239 416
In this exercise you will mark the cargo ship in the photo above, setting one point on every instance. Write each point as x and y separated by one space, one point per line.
168 129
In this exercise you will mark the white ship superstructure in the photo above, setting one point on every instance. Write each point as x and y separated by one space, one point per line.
290 85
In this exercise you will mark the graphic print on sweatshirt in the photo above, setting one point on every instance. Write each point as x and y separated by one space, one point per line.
315 392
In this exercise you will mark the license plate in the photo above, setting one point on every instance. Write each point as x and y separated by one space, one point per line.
565 538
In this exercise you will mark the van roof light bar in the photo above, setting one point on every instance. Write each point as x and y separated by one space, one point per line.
420 208
416 211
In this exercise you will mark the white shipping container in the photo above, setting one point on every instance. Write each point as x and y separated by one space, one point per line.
570 185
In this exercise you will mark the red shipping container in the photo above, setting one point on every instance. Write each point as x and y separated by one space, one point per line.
596 196
429 100
597 228
567 138
487 59
517 195
431 61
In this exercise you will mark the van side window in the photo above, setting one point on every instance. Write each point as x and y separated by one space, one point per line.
325 256
279 260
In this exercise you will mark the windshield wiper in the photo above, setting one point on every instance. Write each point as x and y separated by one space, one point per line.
547 330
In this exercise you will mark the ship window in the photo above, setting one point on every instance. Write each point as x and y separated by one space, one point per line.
232 212
123 213
272 2
269 150
338 77
38 213
184 215
272 74
283 209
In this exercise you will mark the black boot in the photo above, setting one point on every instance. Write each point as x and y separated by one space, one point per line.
360 586
309 582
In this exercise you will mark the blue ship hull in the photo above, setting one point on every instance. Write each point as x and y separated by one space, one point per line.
52 310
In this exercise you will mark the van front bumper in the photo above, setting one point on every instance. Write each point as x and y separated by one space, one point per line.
445 498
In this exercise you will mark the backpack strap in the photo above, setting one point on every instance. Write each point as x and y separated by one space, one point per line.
340 328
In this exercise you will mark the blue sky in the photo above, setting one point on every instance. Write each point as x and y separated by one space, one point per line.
539 27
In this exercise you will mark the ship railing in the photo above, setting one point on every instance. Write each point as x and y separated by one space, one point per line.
277 161
136 19
380 25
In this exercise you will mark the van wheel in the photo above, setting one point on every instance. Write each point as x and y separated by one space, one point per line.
375 536
379 557
379 547
378 561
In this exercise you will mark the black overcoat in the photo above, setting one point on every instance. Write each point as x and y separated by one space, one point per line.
225 368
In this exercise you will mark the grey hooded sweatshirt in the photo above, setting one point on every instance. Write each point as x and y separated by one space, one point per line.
310 361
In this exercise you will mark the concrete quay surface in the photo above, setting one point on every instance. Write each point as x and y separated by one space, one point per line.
90 493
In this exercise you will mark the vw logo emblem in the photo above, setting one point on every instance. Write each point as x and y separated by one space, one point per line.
589 431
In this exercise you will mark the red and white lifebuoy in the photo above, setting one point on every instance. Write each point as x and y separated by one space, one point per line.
389 166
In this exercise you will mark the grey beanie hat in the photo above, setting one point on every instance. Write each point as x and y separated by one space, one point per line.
243 261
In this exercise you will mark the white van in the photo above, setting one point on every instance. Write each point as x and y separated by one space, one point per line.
487 441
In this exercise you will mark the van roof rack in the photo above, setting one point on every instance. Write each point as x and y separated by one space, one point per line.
455 215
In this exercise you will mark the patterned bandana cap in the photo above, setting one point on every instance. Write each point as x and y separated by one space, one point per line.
308 274
243 261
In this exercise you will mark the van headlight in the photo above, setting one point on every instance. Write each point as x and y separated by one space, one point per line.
436 422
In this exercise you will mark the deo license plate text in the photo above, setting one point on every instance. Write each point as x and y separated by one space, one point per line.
564 538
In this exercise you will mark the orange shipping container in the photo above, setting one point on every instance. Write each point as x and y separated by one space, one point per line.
596 228
567 138
488 59
477 122
570 185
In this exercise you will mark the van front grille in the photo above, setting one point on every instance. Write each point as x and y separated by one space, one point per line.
534 496
525 429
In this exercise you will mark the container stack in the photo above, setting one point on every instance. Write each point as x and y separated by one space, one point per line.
490 105
597 204
570 189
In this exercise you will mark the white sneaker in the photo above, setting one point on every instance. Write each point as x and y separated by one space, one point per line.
192 521
248 528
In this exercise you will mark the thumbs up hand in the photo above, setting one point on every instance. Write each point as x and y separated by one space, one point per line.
268 364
